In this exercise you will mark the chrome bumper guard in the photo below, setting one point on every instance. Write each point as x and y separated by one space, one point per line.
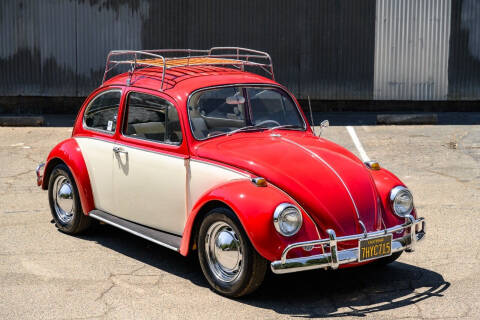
39 175
335 258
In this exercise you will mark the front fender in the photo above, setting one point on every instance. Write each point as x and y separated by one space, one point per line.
254 207
386 181
69 152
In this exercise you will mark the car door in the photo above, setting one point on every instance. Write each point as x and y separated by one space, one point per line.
149 174
99 122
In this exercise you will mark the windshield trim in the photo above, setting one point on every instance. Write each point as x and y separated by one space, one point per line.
269 85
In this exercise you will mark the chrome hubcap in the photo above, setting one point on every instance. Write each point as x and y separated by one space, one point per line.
224 252
63 199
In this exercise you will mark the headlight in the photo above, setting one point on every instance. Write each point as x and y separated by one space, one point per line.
401 201
287 219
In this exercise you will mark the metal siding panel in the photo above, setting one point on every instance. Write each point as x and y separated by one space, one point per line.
37 56
102 27
326 49
337 50
322 49
411 50
464 60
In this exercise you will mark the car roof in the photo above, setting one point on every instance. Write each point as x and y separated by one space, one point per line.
183 80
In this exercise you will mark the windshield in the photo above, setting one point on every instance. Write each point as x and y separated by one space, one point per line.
228 110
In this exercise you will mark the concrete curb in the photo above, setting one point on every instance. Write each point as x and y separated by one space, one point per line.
407 119
22 121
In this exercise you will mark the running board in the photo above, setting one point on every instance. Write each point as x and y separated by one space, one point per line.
165 239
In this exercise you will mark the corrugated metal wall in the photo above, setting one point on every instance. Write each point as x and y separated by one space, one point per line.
325 49
464 62
322 49
411 49
58 48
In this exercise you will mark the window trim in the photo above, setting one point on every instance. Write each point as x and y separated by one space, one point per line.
241 85
84 125
124 115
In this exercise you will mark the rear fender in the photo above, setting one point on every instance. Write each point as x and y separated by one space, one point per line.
69 153
254 207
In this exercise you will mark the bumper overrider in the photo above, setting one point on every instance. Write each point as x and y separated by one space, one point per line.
39 173
415 231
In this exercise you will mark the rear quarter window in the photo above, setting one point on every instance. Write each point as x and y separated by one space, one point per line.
102 112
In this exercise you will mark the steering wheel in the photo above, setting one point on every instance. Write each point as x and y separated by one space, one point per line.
267 121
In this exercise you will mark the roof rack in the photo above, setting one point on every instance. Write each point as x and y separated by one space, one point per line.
226 56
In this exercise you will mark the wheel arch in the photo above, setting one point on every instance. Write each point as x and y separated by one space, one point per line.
68 153
202 212
52 163
253 207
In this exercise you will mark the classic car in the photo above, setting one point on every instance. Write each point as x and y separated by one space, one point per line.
202 152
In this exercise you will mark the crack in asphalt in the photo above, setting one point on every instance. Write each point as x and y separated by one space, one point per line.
17 175
387 298
104 292
464 182
114 284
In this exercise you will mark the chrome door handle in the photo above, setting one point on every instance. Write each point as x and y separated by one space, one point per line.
119 150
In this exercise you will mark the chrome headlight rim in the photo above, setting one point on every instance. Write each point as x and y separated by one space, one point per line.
394 193
280 210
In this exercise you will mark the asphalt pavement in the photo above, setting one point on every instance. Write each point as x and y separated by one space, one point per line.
108 273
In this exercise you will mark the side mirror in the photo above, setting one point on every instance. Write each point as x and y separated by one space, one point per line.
323 124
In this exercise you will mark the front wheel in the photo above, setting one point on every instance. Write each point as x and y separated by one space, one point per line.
229 262
65 202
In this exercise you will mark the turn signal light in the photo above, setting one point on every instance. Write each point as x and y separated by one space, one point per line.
259 182
373 165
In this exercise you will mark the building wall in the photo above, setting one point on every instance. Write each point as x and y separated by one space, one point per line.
464 58
412 49
324 49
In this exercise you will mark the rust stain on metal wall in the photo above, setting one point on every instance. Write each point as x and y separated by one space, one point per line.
325 49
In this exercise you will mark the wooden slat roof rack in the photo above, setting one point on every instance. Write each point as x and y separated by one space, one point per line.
225 56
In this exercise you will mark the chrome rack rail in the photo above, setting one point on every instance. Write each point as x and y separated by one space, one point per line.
227 56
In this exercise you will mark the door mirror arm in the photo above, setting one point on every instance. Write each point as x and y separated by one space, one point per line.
324 124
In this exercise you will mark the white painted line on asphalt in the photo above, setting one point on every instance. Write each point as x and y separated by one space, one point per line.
358 144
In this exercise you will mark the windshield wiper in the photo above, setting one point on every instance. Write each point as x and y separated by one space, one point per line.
286 126
246 128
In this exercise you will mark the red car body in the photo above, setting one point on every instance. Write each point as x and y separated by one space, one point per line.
332 187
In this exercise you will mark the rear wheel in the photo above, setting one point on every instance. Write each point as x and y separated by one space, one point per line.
228 260
65 202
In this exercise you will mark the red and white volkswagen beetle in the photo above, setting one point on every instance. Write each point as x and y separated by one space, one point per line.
197 154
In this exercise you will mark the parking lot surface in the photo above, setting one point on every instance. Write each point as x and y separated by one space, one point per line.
108 273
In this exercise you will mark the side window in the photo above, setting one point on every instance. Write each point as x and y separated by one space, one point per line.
102 112
152 118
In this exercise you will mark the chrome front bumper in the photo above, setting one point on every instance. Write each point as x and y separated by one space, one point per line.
335 258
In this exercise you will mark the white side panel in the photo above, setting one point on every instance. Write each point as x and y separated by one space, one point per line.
204 176
98 157
150 189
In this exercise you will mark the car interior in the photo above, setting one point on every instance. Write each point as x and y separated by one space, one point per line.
152 118
223 110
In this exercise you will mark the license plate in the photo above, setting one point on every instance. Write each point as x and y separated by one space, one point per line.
373 248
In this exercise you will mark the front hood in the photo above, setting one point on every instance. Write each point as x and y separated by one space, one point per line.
329 182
